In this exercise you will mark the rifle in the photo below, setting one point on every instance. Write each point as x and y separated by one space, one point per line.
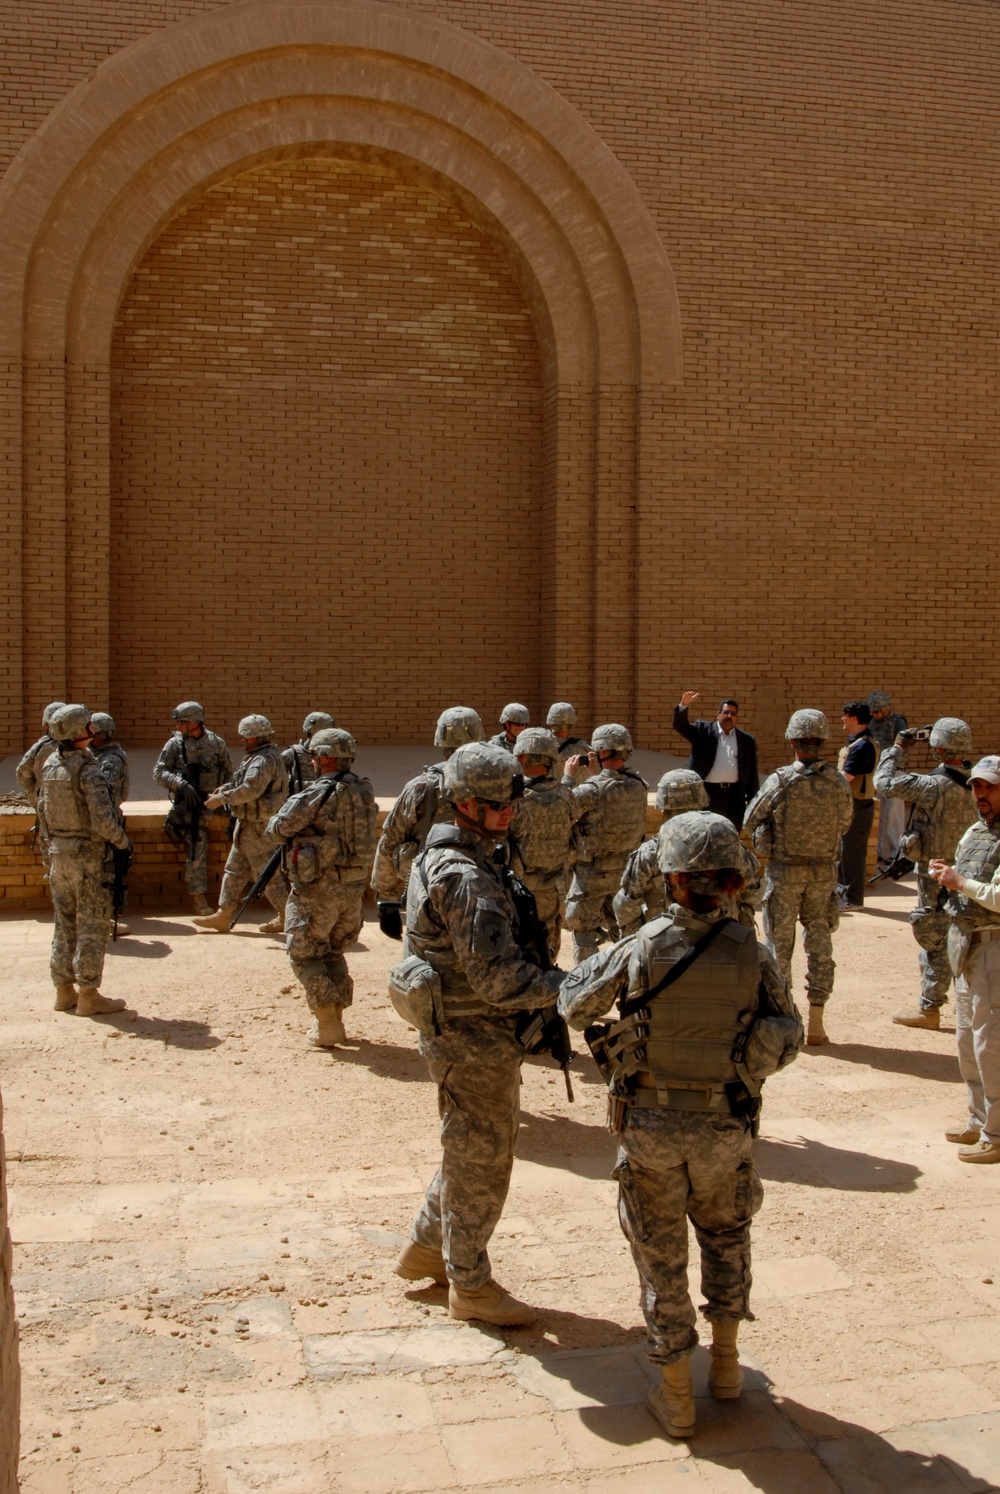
270 867
543 1030
184 816
899 866
122 861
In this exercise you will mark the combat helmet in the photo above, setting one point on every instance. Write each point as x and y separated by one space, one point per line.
333 741
255 726
50 710
879 701
103 724
69 722
456 726
807 724
189 710
681 791
515 712
561 716
478 770
537 741
700 842
613 737
952 735
316 721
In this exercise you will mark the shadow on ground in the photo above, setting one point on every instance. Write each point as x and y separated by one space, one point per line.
178 1034
817 1165
568 1144
942 1067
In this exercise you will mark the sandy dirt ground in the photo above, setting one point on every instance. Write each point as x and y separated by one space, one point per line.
206 1212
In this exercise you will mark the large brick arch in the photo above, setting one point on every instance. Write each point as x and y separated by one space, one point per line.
167 117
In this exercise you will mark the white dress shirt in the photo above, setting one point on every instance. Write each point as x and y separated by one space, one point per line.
724 768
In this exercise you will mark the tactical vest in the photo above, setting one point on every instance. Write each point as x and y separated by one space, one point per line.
679 1054
543 829
299 767
276 792
978 860
806 818
617 822
935 833
862 785
116 750
64 807
427 937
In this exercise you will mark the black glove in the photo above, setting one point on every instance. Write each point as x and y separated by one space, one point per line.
187 797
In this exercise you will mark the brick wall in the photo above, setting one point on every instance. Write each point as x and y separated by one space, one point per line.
10 1373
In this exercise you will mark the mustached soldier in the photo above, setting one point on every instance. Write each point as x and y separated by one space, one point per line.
329 832
541 832
943 809
513 718
255 792
460 921
685 1066
419 806
192 765
82 825
797 820
612 823
297 758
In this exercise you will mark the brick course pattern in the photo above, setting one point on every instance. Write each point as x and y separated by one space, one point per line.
10 1371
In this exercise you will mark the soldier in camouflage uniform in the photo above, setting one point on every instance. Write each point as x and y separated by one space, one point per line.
883 728
460 921
560 721
297 758
513 718
255 792
541 832
329 834
29 769
943 809
691 985
612 823
974 950
796 821
193 764
82 825
111 756
419 806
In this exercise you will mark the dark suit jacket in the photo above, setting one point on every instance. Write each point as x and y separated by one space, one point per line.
704 738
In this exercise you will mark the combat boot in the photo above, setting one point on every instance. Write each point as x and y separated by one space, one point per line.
201 904
415 1262
725 1377
927 1016
66 1000
489 1303
816 1032
92 1004
672 1401
274 925
327 1030
215 923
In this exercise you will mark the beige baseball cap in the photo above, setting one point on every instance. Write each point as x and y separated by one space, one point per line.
988 768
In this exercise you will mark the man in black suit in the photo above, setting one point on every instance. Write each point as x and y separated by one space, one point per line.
721 754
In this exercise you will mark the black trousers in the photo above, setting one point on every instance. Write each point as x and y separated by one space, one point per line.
727 799
854 850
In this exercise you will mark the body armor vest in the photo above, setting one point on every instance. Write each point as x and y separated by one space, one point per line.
428 938
938 831
979 860
276 792
299 767
543 829
617 822
64 807
116 750
806 819
343 830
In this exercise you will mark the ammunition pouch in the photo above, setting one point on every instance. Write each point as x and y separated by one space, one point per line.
302 863
415 992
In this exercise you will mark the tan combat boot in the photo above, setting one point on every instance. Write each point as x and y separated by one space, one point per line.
672 1401
725 1377
327 1030
927 1016
92 1004
201 904
215 923
66 1001
415 1262
489 1303
816 1032
274 925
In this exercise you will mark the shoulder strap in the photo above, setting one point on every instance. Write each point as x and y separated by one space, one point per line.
675 972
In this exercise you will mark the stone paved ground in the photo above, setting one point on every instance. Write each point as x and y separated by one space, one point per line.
206 1212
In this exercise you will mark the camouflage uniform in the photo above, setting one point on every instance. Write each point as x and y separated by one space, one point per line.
503 740
943 810
460 920
82 824
975 960
891 811
330 830
255 792
29 769
797 819
406 827
612 822
298 757
209 755
676 1164
541 853
112 760
642 894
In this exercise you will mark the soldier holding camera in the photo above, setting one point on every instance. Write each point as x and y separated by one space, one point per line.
943 810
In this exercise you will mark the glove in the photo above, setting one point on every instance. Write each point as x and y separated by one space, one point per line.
187 797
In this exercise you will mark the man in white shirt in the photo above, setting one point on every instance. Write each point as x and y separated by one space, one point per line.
722 755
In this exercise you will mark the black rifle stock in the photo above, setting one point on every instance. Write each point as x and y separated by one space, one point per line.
267 872
544 1030
121 861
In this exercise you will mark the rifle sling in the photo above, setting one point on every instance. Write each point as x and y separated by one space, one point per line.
629 1008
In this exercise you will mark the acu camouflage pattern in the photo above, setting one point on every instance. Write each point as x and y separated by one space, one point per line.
612 822
298 766
335 816
541 847
642 895
210 755
113 762
461 921
796 820
256 790
977 857
29 769
943 809
406 827
82 824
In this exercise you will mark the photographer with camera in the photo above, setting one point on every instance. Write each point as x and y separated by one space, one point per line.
942 811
